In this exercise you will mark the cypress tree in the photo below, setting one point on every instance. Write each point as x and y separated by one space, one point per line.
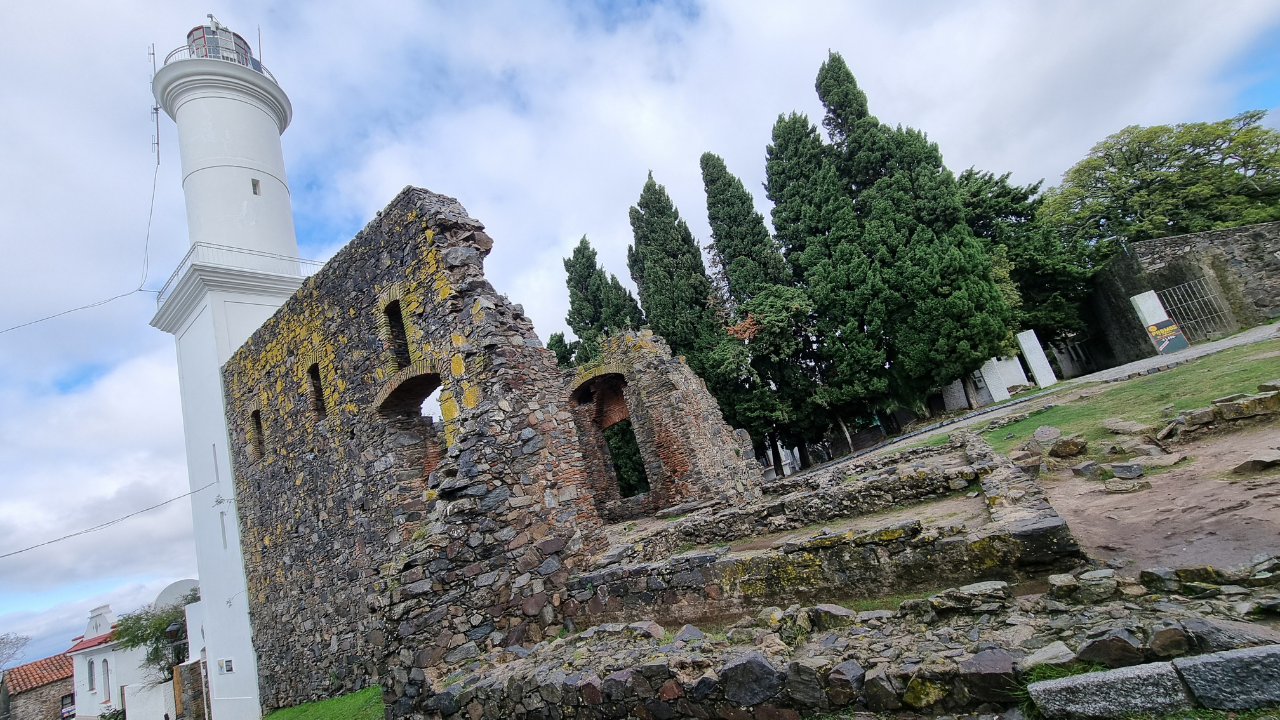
740 242
792 162
598 305
666 265
901 289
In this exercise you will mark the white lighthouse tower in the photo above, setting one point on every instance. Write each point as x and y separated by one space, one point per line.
241 267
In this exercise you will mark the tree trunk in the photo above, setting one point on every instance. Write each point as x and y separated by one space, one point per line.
971 392
806 462
778 471
848 440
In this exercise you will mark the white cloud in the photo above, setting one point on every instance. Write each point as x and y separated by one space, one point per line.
542 118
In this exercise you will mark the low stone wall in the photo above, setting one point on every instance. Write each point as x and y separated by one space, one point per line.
1025 534
845 468
963 649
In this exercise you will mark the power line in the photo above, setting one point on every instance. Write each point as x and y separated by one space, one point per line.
146 247
105 525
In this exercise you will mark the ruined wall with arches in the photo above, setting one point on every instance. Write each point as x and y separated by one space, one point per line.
382 545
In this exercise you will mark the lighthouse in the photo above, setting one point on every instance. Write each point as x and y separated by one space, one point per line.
241 266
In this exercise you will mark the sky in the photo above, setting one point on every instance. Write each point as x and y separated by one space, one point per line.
542 117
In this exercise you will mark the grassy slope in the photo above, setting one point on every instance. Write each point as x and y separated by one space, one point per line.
1185 387
363 705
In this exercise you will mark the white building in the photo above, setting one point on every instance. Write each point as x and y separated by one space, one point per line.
108 677
241 267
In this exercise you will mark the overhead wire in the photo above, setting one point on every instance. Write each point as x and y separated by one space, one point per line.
146 254
105 525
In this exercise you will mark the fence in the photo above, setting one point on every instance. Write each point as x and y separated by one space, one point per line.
1198 309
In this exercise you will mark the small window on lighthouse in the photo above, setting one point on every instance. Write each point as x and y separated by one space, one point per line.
317 392
257 189
256 440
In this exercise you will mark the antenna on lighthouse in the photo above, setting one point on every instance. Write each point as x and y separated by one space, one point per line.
155 109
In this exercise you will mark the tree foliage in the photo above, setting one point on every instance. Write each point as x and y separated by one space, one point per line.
11 647
1050 277
666 265
902 291
148 628
628 465
1147 182
598 306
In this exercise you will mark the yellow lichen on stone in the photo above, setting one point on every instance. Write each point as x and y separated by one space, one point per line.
457 365
470 395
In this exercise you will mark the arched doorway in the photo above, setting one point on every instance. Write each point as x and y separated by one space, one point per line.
623 471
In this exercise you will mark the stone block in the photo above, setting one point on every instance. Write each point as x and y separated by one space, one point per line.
878 690
647 628
1089 470
1153 689
1234 680
828 617
1248 406
1209 635
1151 450
845 682
1046 434
1167 639
1258 462
1127 471
1062 586
1269 386
1149 461
922 693
749 679
1199 416
804 682
1116 648
1119 426
989 676
688 633
1068 446
1055 653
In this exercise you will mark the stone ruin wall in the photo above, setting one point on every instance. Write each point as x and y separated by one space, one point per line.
687 448
1244 263
375 548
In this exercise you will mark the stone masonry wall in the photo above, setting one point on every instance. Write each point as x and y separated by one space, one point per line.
1244 261
342 515
378 543
42 703
689 452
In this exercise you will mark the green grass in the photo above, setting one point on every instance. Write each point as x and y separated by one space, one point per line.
363 705
1186 387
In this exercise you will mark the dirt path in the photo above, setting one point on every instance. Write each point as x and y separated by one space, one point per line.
1197 513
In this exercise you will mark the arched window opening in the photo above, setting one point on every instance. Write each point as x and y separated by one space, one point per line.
628 466
93 680
417 434
398 337
257 439
617 469
316 393
106 681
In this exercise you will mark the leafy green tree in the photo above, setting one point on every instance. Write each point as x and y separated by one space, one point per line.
1050 277
162 632
1147 182
598 306
666 265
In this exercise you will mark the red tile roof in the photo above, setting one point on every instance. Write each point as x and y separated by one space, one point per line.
91 642
37 674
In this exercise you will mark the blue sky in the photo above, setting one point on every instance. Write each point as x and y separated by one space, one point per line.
542 117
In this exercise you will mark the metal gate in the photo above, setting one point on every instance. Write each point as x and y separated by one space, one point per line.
1198 309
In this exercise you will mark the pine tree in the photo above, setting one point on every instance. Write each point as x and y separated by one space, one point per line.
666 265
598 306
